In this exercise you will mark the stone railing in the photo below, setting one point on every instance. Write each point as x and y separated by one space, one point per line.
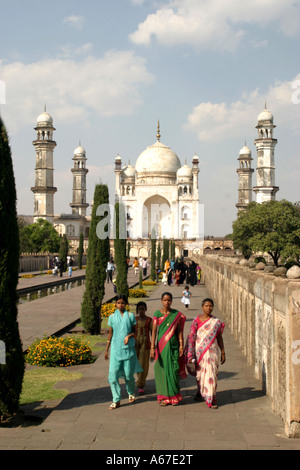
40 261
263 313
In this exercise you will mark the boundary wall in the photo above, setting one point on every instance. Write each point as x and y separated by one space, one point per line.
263 313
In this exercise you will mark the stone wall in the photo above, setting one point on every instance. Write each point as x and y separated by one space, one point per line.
40 262
263 313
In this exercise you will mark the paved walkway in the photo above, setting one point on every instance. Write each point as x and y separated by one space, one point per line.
82 420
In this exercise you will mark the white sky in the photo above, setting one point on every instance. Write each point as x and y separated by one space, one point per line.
108 70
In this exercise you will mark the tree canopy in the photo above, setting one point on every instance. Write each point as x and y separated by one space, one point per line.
39 237
272 227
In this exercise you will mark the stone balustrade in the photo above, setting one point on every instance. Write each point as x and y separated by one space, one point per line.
263 313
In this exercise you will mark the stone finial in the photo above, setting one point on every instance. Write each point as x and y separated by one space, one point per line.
293 272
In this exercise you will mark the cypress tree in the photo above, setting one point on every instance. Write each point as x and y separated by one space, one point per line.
63 251
172 250
158 256
165 252
80 251
11 354
97 258
153 258
120 249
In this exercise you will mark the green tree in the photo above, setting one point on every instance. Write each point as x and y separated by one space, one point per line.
63 251
272 227
39 237
97 258
153 258
120 249
158 255
11 354
80 251
165 256
128 249
172 250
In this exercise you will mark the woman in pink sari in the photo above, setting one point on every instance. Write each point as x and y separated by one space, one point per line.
202 352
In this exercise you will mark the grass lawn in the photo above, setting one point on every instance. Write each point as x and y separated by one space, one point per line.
39 381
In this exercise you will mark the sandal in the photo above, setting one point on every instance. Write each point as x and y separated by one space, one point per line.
113 406
141 391
131 398
163 403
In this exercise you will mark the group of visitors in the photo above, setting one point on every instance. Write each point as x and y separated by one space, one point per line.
57 266
133 341
178 272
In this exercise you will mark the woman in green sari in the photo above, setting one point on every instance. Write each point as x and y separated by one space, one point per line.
169 367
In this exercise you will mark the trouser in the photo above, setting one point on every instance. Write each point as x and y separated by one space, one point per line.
116 389
109 275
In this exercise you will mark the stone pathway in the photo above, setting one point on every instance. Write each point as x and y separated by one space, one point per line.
82 420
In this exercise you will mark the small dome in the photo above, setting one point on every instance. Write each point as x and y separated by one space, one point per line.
184 172
245 151
118 158
79 152
44 119
264 116
129 172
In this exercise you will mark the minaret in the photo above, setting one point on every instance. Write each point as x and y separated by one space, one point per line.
118 171
44 190
245 178
79 170
195 172
265 188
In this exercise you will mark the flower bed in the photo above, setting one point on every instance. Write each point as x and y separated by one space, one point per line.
107 309
62 352
137 293
149 283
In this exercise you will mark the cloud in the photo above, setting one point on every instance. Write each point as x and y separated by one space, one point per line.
69 50
215 24
74 21
219 121
76 90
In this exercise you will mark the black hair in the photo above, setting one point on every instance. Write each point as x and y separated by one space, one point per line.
207 300
141 303
166 293
187 287
122 297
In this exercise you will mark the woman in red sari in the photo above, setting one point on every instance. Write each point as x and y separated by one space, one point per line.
169 367
202 352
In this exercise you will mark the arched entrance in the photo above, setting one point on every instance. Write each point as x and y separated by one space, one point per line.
157 217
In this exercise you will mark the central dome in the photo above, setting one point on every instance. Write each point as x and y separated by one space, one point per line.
157 158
